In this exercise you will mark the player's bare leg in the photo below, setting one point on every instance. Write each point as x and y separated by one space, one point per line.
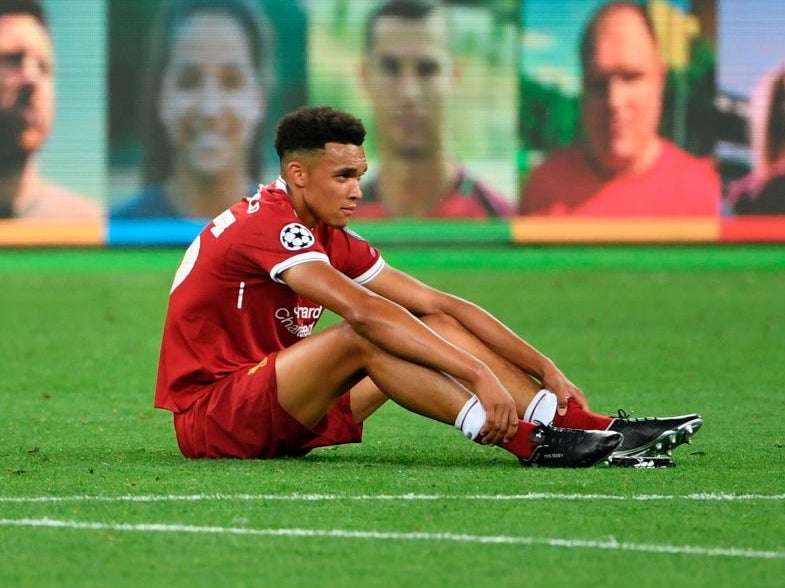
366 396
642 437
531 400
366 399
313 373
521 386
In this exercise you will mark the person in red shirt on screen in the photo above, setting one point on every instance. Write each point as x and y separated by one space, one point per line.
246 375
621 166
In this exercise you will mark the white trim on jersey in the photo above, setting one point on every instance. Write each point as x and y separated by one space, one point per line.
279 268
371 272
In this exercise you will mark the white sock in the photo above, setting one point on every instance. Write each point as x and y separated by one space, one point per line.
542 408
471 418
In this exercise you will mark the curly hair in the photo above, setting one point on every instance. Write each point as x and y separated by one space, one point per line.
311 127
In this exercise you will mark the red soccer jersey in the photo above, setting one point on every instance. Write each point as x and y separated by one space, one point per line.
229 308
678 184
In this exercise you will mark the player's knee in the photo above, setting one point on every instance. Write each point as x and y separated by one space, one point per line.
356 344
441 323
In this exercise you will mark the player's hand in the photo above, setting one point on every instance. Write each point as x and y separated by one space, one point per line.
501 418
555 381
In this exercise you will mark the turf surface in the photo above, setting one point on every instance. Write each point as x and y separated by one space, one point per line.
95 493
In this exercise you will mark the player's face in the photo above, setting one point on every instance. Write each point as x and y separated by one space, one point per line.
26 86
622 92
332 191
407 76
211 101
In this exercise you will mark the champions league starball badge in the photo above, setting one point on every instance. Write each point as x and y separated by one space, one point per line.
295 236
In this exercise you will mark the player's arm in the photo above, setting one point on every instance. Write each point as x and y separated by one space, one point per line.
395 330
421 299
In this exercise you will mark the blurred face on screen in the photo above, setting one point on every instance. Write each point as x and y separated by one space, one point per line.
407 75
622 93
26 86
211 101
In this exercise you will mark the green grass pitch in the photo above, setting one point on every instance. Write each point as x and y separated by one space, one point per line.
93 491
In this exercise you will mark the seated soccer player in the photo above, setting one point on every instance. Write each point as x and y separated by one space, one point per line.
246 376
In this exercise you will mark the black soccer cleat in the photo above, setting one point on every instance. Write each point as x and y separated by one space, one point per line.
570 448
653 436
642 462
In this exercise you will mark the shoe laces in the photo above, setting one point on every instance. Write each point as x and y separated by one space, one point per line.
625 416
544 434
539 434
549 435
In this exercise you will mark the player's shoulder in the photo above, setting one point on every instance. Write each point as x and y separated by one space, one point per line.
258 218
331 237
268 206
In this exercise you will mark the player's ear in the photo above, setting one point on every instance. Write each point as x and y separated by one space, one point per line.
296 173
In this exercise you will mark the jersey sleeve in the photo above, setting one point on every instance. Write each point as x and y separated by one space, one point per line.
276 241
352 255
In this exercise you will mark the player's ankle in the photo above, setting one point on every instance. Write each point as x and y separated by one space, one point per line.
522 444
577 418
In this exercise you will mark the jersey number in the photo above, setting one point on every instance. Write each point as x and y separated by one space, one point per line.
220 224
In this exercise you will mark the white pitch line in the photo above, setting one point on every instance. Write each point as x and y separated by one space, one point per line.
609 544
296 497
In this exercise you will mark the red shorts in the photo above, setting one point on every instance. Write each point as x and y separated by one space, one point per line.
239 416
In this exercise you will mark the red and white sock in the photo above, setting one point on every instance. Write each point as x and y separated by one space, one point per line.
543 409
471 419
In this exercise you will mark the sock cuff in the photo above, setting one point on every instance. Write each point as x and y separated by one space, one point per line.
542 408
471 418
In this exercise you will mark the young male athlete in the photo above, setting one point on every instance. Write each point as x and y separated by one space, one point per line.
246 376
